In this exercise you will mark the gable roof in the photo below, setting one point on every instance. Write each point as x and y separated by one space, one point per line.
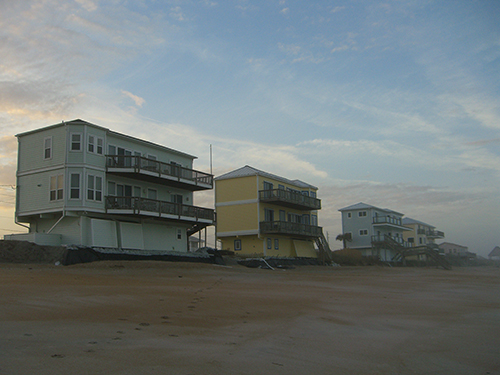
364 206
251 171
82 122
409 221
495 252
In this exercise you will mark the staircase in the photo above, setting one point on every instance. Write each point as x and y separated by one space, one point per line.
325 254
403 252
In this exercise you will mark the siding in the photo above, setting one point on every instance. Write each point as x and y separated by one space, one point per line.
237 218
238 189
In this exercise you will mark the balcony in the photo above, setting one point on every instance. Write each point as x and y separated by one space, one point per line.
388 221
431 233
159 209
289 228
289 199
145 169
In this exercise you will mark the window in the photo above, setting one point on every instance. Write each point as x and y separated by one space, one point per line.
179 234
237 245
268 214
74 192
276 244
100 146
363 232
269 243
268 185
361 213
94 188
411 239
313 194
76 142
176 198
91 143
314 220
47 148
281 187
282 215
56 187
349 215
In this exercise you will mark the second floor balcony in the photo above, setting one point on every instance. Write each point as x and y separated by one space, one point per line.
388 221
289 228
159 209
431 233
141 168
290 199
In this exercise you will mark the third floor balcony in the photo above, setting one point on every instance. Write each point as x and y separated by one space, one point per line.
141 168
289 199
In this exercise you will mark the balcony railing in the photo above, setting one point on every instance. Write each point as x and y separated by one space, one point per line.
152 207
154 168
387 220
431 233
289 228
290 199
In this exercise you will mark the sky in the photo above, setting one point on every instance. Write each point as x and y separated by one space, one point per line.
392 103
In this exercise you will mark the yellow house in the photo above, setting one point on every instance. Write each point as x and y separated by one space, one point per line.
261 214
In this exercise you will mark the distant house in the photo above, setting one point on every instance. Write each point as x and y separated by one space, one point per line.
81 184
374 231
495 253
421 234
448 248
262 214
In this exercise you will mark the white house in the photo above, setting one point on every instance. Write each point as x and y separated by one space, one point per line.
449 248
374 231
83 184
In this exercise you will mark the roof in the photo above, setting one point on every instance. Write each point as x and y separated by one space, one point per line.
364 206
453 244
82 122
495 252
409 221
251 171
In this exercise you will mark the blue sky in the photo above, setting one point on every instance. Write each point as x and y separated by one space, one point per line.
392 103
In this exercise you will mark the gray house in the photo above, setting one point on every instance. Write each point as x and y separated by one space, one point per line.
374 231
82 184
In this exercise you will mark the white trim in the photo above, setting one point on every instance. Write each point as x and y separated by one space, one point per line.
235 203
82 142
40 170
238 233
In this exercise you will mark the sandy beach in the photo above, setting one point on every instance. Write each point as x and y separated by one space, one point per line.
185 318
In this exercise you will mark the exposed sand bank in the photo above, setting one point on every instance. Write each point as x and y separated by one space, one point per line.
188 318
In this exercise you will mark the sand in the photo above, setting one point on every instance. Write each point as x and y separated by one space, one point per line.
185 318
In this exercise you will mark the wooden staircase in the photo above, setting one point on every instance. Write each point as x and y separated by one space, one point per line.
325 253
403 252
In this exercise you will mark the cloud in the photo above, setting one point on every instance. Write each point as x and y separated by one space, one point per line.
483 142
337 9
137 100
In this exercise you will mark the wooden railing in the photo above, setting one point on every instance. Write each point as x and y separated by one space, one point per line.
390 239
143 205
386 220
140 163
286 227
281 195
